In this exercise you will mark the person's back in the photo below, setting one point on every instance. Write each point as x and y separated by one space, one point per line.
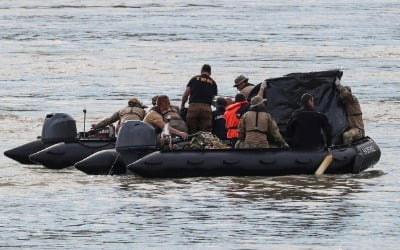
256 124
218 125
175 120
305 125
134 111
354 114
200 91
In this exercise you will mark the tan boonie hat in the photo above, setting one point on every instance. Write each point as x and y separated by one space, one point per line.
240 79
136 101
257 100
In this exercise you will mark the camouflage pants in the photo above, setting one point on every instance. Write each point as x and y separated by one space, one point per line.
199 118
242 144
352 135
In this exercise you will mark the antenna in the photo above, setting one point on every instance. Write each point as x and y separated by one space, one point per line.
84 122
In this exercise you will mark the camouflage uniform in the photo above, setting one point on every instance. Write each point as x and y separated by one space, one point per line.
204 140
123 115
253 130
354 115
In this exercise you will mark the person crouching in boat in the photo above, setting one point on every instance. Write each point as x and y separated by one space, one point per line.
256 124
157 117
134 111
352 107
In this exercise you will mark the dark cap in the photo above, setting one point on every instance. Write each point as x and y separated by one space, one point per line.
220 103
240 98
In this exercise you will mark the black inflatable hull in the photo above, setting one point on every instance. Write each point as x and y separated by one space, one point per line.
21 153
105 162
110 162
66 154
255 162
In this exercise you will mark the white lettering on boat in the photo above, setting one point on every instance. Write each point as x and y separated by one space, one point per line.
368 150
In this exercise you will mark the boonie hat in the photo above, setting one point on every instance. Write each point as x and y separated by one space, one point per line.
240 79
257 100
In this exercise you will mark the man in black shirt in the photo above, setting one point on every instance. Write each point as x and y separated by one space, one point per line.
200 91
305 125
218 123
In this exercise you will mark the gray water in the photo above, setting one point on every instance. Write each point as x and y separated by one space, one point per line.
64 56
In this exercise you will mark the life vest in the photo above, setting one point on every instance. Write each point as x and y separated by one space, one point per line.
231 119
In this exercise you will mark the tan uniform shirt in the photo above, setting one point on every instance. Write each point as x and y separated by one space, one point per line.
152 118
252 134
125 114
246 90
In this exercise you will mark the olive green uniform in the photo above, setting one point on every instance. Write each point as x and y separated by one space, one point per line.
253 130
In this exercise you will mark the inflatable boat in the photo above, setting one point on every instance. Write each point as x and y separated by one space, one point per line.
60 145
137 152
143 157
352 158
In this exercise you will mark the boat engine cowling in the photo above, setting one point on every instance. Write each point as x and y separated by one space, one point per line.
135 140
59 127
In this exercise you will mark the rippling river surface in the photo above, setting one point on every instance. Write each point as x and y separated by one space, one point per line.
64 56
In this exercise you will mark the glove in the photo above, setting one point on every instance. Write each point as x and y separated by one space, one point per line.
285 145
263 85
337 81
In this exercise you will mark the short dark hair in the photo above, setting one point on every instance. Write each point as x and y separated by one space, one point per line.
206 68
162 99
305 98
240 98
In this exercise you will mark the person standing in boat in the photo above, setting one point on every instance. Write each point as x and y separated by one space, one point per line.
218 122
134 111
158 115
305 125
200 91
352 108
256 124
243 86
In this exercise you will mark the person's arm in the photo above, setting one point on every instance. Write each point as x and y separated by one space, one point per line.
185 97
107 121
261 91
242 128
274 131
327 130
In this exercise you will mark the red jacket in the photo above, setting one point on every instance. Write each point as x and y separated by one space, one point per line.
231 120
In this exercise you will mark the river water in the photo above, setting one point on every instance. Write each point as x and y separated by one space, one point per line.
66 56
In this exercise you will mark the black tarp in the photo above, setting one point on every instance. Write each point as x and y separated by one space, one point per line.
283 94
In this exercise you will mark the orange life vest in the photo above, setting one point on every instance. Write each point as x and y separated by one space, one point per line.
231 120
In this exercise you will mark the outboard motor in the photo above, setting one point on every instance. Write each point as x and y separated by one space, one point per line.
135 140
59 127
